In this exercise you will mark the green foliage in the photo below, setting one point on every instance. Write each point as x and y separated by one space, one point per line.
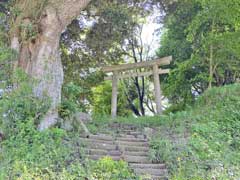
199 143
7 55
178 86
71 100
211 147
25 15
101 100
18 105
35 152
99 38
3 29
160 150
27 153
107 169
53 154
202 36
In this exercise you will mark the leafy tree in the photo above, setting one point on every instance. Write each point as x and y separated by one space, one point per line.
101 100
214 33
204 43
105 41
178 86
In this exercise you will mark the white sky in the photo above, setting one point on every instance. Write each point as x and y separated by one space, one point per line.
149 35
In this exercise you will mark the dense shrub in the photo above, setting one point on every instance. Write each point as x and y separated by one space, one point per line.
213 127
18 105
160 150
201 142
28 154
107 169
71 100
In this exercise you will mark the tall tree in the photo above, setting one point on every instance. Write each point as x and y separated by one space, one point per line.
214 33
36 27
203 38
137 89
107 34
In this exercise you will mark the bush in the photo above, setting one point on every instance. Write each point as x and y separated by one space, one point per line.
70 100
27 153
30 150
18 105
107 169
213 127
101 100
161 150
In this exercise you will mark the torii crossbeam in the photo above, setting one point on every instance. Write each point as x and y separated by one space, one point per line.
154 64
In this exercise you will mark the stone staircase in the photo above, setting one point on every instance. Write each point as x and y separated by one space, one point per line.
129 144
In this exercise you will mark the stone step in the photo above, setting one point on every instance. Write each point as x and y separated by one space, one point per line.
136 159
127 135
140 136
150 171
103 152
143 166
138 153
121 142
129 143
135 133
121 135
97 157
124 128
136 148
133 139
152 177
101 137
102 146
98 141
130 132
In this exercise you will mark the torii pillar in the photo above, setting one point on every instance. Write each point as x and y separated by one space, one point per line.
114 94
157 89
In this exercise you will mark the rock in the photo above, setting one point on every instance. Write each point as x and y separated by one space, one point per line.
84 117
148 132
76 122
67 125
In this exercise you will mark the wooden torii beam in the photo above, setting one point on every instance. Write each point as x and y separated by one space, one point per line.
116 69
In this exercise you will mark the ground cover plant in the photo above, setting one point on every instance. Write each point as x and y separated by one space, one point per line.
201 142
51 58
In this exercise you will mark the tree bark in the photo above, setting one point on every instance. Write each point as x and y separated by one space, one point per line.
40 57
211 60
210 67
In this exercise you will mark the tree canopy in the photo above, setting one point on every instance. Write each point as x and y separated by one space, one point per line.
203 37
55 104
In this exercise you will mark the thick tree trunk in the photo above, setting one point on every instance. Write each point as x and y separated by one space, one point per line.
40 57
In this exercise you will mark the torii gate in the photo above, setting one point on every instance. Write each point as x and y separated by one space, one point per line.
154 64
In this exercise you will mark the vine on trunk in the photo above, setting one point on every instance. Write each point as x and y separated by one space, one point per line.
25 18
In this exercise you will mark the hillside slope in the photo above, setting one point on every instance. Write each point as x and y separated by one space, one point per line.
202 142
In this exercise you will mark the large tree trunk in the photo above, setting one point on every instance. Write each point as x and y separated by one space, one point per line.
40 57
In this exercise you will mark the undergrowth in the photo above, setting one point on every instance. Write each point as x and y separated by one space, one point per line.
200 143
53 154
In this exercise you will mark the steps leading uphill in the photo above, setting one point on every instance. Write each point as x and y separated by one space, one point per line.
128 144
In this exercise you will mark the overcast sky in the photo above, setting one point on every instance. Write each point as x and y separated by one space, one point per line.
149 34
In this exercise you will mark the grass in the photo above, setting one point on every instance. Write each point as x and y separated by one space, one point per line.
202 142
